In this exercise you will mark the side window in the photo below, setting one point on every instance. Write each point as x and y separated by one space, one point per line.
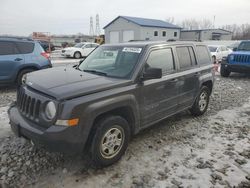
25 47
94 45
162 59
203 55
155 33
164 33
184 57
8 48
88 46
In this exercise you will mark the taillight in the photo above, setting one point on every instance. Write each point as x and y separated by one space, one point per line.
46 55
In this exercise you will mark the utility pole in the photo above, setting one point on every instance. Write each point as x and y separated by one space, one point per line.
97 29
91 28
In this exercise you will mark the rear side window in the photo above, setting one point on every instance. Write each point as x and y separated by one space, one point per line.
184 57
8 48
25 47
203 55
163 59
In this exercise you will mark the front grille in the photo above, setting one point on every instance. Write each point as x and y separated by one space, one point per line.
28 106
242 58
63 51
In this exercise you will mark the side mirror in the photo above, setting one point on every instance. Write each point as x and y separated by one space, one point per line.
152 73
235 49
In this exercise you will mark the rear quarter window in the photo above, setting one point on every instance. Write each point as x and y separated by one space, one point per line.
203 55
25 47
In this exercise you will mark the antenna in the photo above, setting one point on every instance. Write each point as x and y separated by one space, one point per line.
91 29
214 22
97 28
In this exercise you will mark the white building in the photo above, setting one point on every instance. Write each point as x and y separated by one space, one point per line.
124 29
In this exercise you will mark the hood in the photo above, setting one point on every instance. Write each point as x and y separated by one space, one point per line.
64 83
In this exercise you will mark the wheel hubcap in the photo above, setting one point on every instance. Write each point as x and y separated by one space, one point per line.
203 101
112 142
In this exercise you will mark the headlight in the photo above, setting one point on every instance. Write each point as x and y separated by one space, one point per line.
50 110
231 57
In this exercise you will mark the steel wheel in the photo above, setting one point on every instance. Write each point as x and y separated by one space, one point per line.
77 55
112 143
203 101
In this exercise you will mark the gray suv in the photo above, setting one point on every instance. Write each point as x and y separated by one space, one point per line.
117 91
19 56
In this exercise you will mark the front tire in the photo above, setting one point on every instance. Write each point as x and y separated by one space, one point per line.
224 72
77 55
110 141
201 102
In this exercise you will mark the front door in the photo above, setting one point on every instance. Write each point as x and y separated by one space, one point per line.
159 96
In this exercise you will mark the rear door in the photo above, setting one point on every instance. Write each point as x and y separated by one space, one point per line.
10 60
189 76
159 96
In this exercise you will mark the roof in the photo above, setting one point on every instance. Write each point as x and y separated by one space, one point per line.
153 43
199 30
145 22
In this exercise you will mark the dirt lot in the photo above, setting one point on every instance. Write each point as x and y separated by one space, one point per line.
183 151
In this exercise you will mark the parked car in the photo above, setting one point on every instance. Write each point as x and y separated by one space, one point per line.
218 52
79 50
117 91
237 61
19 56
47 46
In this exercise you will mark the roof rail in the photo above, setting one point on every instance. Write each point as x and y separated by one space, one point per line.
18 38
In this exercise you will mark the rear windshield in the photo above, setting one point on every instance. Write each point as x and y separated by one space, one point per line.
25 47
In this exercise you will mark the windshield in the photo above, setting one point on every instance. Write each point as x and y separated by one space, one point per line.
112 61
244 46
212 48
79 45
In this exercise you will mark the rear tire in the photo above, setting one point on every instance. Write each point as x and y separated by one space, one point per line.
201 102
224 72
21 76
77 55
110 141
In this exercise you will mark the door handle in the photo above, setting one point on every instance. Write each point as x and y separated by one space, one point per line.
197 74
174 80
18 59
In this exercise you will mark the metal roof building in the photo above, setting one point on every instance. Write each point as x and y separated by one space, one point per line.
125 28
206 34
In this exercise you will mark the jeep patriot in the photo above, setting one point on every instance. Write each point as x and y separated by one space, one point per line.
118 90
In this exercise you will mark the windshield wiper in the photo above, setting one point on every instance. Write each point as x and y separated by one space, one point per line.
96 72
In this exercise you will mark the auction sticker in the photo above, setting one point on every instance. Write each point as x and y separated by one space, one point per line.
133 50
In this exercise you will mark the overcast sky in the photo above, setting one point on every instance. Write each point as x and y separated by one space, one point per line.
22 17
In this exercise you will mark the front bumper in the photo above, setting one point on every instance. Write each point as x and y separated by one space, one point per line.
240 68
55 138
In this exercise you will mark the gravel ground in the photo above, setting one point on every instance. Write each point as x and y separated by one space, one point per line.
208 151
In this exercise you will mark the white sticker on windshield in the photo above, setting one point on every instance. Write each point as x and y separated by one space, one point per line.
133 50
